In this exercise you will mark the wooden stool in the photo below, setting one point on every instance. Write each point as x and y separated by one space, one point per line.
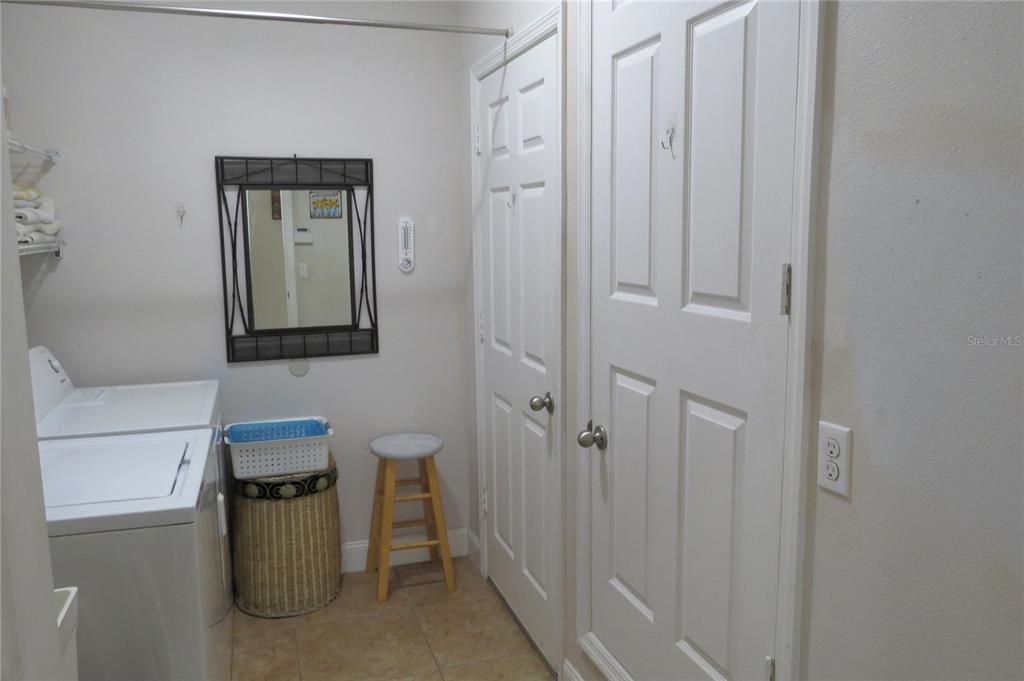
390 449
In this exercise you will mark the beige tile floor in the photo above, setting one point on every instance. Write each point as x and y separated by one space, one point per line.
423 633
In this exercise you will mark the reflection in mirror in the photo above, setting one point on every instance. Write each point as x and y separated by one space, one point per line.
299 245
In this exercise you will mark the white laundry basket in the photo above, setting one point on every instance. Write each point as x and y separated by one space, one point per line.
278 447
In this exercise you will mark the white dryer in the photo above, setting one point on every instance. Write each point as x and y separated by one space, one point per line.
65 411
137 523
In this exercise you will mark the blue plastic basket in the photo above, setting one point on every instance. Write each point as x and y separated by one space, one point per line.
262 449
262 431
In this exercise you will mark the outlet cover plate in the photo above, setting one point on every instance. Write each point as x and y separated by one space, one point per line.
835 445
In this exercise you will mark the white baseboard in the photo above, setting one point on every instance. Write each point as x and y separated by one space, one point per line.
569 672
353 553
473 549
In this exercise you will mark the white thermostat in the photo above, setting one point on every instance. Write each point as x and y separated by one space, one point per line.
406 245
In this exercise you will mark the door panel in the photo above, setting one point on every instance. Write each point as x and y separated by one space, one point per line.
633 90
533 240
534 459
498 237
519 224
503 494
693 134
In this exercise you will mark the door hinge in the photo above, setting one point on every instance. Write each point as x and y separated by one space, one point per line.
476 139
481 327
787 288
483 501
769 663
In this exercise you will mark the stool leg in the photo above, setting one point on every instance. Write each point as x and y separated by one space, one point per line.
373 551
386 512
428 512
439 523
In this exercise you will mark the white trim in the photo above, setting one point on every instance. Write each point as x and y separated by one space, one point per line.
602 658
521 42
291 291
353 553
798 413
547 25
478 354
584 35
797 428
568 672
473 550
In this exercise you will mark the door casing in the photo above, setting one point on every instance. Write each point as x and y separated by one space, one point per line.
798 431
546 26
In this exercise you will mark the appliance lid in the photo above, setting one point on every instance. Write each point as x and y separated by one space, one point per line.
99 470
99 484
132 409
50 383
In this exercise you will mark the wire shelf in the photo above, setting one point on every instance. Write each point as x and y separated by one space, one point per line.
48 155
55 247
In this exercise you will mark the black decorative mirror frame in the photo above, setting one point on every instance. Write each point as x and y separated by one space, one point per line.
245 342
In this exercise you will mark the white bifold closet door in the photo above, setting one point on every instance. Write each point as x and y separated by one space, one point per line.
519 228
694 117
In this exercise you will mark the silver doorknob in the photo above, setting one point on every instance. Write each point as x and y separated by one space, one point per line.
547 402
593 436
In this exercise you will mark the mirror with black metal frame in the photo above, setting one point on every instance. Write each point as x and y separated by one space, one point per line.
297 257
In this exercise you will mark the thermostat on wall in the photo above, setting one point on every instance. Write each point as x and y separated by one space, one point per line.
406 245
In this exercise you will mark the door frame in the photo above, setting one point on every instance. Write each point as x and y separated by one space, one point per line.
291 299
545 26
798 430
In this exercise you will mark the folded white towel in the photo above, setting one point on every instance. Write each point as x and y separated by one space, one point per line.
30 216
36 238
49 228
19 203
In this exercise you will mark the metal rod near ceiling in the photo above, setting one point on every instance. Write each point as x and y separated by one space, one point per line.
260 16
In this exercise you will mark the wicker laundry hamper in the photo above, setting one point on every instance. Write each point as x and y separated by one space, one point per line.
287 543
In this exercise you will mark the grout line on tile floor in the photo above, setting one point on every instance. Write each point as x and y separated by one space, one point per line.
423 630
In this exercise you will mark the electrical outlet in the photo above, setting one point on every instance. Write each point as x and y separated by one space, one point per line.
834 450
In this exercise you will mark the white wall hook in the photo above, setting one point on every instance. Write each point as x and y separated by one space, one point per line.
668 143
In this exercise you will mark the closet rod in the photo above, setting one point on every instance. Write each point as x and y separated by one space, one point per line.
264 16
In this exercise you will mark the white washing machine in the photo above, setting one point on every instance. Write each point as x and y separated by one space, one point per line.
65 411
137 523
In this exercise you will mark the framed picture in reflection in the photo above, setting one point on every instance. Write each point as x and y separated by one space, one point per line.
325 205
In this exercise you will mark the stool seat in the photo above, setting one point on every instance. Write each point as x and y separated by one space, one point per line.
404 446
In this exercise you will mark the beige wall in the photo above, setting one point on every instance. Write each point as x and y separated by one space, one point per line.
920 245
138 297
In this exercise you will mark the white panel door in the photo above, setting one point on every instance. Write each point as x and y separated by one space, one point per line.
694 114
519 224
